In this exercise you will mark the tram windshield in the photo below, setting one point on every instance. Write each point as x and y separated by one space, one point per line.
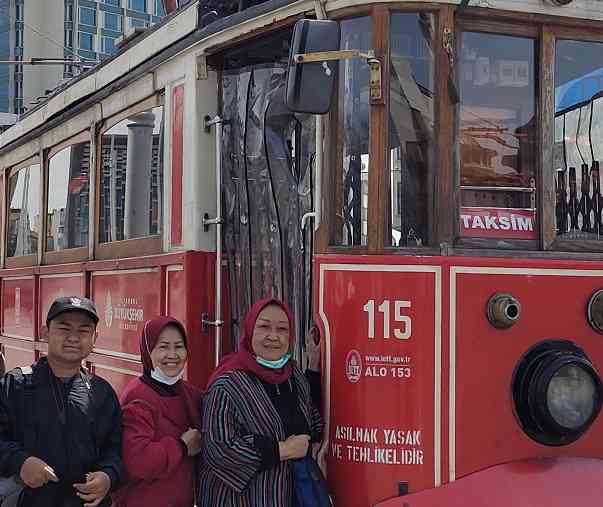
497 136
411 128
578 147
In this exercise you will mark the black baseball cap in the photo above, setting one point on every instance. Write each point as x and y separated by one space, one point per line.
72 304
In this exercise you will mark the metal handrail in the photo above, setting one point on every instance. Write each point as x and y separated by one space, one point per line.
530 190
217 323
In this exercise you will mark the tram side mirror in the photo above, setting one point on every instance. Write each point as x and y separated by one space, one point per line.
310 85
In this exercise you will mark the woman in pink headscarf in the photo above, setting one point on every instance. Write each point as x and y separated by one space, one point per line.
257 416
161 422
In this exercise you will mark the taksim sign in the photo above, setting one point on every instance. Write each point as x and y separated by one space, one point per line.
507 223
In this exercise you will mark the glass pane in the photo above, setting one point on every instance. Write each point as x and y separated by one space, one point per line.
578 139
138 5
108 45
497 137
86 41
351 218
113 21
87 16
24 211
131 186
68 198
410 127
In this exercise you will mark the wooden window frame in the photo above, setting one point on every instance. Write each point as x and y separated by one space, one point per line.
68 254
332 176
552 34
21 260
494 26
445 238
378 178
149 245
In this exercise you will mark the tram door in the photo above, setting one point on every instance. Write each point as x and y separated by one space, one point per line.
267 173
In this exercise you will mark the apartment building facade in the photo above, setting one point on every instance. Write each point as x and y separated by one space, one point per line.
61 29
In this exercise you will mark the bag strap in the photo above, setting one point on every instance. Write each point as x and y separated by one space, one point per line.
26 402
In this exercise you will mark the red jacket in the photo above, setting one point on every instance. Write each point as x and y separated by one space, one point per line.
158 474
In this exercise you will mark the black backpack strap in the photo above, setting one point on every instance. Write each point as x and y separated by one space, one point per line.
27 402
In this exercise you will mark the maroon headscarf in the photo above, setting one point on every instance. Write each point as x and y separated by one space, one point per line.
148 340
245 358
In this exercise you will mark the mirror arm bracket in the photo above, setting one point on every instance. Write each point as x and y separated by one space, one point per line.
375 76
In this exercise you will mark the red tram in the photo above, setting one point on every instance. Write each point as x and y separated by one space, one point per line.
440 221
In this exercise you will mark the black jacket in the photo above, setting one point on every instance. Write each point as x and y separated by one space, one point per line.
30 425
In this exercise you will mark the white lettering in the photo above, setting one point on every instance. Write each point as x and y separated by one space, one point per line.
477 223
491 222
524 223
504 223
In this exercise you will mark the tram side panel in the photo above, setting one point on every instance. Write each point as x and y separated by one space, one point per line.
382 328
484 427
18 319
419 382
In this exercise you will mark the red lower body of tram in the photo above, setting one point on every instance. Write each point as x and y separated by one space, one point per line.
420 383
126 293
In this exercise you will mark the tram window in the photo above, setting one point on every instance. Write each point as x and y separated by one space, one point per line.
410 127
131 183
24 218
578 149
351 196
68 198
496 137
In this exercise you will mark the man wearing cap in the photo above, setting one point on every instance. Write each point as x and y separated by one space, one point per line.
60 427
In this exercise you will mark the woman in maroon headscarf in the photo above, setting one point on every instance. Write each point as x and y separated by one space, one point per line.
257 415
161 422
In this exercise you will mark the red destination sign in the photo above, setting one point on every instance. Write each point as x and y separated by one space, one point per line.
507 223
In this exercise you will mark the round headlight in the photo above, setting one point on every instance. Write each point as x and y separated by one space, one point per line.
571 396
557 392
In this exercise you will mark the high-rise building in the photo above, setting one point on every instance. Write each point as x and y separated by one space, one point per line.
92 27
63 29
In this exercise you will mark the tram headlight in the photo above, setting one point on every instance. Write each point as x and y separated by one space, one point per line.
557 392
571 396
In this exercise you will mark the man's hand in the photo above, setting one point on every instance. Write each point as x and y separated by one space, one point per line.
36 473
313 348
95 488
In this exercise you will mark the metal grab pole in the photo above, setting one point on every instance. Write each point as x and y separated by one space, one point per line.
316 214
217 221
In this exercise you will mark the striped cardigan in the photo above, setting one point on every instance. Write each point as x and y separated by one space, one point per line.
235 408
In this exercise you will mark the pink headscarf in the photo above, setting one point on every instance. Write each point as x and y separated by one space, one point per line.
245 358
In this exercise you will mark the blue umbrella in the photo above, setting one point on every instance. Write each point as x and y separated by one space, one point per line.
578 90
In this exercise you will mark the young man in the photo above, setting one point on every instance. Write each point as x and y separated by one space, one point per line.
60 427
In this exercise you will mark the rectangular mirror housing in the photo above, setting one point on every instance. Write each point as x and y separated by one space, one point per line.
310 85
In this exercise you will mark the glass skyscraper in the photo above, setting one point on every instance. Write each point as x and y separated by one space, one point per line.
60 29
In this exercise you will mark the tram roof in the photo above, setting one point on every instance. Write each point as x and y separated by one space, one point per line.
181 30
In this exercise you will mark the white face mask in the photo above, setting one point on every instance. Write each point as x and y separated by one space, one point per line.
159 376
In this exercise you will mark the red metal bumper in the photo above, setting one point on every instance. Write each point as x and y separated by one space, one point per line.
559 482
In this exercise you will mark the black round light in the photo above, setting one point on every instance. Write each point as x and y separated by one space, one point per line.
557 392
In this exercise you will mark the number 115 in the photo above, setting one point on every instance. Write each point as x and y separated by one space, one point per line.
384 308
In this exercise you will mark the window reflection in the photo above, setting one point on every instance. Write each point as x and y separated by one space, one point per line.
131 186
68 198
24 211
496 138
411 127
578 139
352 179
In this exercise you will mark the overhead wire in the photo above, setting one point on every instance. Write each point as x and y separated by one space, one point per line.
41 34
